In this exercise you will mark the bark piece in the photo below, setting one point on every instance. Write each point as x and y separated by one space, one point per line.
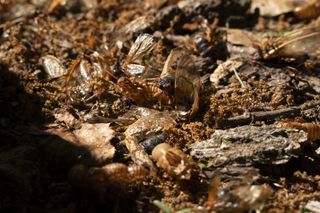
250 145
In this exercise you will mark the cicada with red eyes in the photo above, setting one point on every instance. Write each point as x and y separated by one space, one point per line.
181 80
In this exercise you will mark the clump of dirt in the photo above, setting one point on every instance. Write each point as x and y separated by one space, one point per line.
256 96
188 133
297 190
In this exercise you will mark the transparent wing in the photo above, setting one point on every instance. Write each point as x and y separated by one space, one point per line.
168 68
305 41
143 45
187 84
296 34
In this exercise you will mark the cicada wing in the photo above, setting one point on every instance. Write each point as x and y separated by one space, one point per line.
183 93
168 68
143 45
295 34
304 41
187 84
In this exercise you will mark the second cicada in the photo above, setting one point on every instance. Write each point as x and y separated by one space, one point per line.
181 80
300 44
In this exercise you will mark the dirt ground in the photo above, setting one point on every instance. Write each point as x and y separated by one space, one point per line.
89 88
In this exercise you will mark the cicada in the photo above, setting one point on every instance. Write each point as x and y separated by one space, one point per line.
299 44
181 80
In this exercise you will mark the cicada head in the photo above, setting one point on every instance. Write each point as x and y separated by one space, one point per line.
167 84
258 54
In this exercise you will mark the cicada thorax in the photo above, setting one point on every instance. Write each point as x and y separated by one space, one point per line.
155 94
203 45
213 46
300 44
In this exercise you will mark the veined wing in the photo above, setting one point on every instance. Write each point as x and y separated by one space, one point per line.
187 84
299 42
143 45
168 68
297 34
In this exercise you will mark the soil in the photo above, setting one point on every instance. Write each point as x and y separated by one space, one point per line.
54 157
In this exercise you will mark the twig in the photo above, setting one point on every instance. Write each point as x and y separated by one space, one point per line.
239 79
250 117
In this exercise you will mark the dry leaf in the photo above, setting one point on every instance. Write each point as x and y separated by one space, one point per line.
96 137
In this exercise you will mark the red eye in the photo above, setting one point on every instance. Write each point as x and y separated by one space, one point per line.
168 88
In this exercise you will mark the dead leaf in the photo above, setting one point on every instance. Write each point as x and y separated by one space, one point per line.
96 137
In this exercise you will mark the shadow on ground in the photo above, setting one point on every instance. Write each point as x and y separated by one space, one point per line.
33 179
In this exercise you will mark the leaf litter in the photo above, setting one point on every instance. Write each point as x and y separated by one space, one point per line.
141 106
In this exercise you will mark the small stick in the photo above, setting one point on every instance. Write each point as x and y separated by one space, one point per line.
239 79
250 117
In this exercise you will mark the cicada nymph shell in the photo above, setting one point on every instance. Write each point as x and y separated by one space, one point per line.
300 44
98 180
312 129
142 93
138 154
144 128
173 161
